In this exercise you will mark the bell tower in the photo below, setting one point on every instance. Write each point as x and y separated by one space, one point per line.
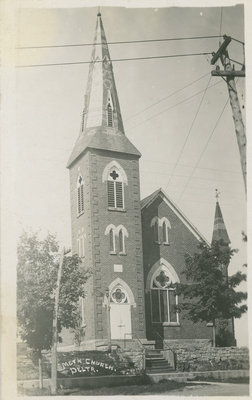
105 209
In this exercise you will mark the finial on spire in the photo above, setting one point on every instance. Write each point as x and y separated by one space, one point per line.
99 12
217 194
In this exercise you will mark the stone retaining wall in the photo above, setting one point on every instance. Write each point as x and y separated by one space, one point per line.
212 358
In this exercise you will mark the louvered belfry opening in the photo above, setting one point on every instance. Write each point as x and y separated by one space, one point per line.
115 194
110 116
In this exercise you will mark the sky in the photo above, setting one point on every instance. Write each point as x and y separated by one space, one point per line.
187 140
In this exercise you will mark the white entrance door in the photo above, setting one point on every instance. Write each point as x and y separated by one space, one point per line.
120 321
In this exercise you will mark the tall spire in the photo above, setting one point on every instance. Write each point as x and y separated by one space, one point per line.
219 229
102 125
101 94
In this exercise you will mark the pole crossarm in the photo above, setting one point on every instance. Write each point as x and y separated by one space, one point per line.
221 49
240 74
230 74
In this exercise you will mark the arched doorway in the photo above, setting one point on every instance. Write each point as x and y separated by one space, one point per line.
120 313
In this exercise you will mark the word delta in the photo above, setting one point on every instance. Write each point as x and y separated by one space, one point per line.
86 365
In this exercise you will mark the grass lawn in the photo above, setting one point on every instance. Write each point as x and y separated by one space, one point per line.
156 388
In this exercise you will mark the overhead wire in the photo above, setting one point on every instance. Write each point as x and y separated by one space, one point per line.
169 108
189 132
187 176
221 12
118 42
204 149
189 166
115 60
166 97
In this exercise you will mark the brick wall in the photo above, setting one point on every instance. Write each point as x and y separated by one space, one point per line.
104 262
94 220
181 241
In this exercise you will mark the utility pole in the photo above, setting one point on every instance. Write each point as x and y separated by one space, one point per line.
229 73
55 330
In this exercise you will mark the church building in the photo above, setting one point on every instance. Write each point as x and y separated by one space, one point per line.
135 248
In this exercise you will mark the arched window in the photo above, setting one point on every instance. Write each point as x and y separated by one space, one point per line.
156 235
164 300
115 190
80 195
119 295
112 240
113 232
80 245
165 233
165 226
121 242
116 180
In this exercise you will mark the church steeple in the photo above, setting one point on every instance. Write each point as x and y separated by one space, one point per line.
219 229
102 105
102 125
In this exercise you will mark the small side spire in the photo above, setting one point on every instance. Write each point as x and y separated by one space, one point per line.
219 229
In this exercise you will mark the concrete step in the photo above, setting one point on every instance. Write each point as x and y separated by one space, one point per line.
154 356
157 362
159 370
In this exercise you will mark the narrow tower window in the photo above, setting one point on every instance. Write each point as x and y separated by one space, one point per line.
165 233
115 191
156 232
110 116
110 109
111 241
121 242
80 195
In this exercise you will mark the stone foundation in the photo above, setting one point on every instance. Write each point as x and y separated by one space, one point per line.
212 358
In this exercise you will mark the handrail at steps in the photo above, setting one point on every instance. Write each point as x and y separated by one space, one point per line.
142 346
167 348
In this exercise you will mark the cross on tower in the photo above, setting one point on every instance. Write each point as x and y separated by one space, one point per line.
114 175
217 194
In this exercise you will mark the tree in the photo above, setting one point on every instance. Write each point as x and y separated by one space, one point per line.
38 262
209 293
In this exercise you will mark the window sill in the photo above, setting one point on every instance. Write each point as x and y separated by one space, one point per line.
112 253
171 324
166 243
116 209
159 243
122 254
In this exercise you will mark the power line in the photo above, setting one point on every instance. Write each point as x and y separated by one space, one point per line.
167 97
238 41
189 132
115 60
118 42
237 62
221 19
188 176
189 166
204 149
169 108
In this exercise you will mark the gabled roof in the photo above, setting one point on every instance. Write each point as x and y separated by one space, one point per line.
147 201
